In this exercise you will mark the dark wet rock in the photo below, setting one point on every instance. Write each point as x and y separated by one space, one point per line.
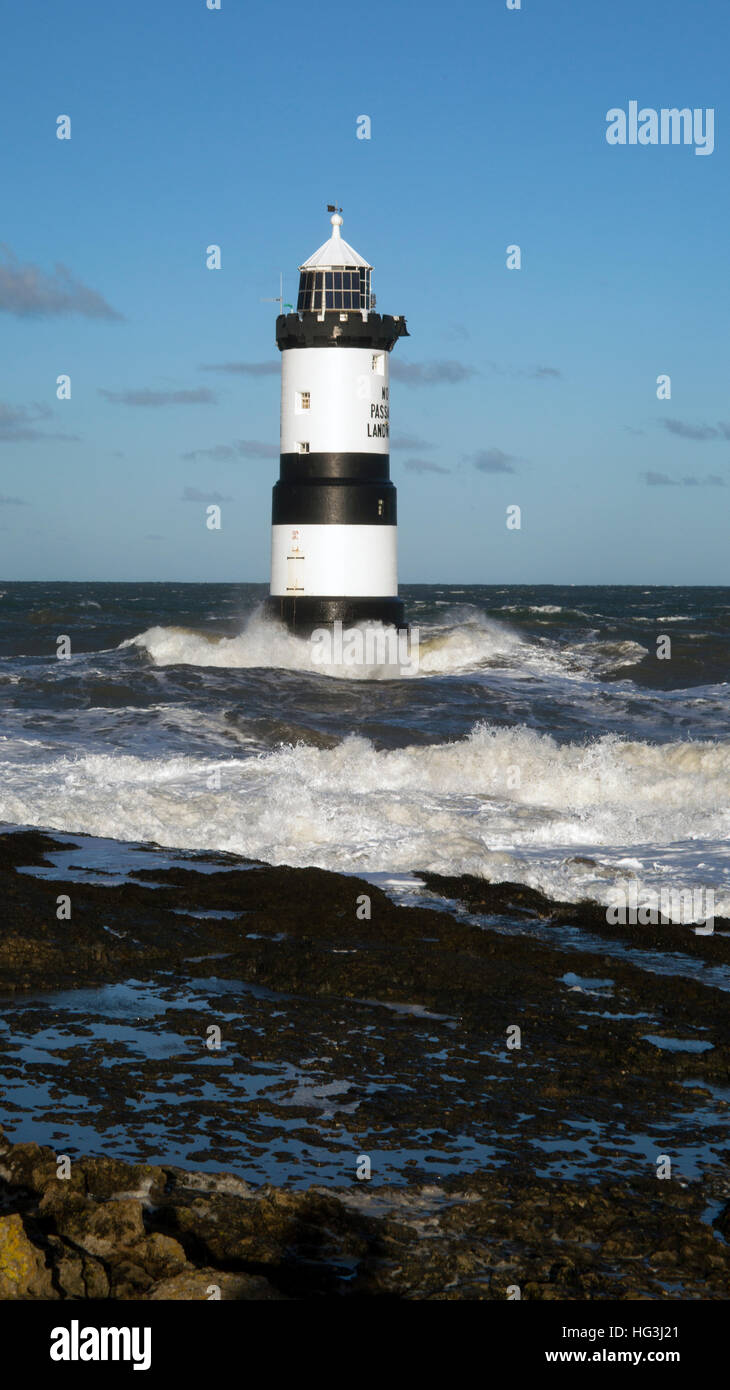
515 900
210 1283
75 1273
27 847
297 930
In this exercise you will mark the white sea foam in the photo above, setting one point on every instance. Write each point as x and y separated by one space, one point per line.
534 608
261 645
450 808
265 644
467 641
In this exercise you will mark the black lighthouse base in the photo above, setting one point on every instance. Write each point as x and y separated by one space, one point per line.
302 614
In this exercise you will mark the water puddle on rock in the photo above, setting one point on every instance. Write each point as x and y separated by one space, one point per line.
127 1070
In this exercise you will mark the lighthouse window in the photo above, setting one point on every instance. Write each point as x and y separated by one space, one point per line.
342 290
304 291
310 291
379 363
303 446
301 401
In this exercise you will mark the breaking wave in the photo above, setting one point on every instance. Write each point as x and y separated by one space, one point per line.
503 803
467 641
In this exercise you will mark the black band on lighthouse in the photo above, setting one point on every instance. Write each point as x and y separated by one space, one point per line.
334 503
366 468
302 614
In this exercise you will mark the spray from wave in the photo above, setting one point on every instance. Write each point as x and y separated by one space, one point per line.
465 640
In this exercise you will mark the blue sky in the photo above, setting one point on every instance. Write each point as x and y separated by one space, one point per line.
236 127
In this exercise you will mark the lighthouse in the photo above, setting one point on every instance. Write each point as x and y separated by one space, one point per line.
334 532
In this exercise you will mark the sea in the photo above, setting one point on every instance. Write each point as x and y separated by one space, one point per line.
572 739
568 738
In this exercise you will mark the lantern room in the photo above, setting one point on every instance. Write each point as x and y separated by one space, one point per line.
335 277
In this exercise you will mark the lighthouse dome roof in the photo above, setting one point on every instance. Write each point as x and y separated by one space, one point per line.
335 252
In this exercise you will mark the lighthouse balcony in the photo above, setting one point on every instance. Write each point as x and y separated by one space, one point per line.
337 328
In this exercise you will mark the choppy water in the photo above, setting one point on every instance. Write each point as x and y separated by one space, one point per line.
539 732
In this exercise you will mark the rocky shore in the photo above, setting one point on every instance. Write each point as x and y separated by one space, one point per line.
384 1035
131 1231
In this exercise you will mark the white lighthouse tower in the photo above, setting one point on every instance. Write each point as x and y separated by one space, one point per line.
333 542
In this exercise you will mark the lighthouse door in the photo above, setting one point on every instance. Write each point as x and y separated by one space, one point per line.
295 567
